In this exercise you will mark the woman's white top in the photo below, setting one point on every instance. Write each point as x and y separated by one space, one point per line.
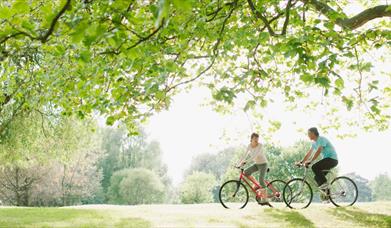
256 154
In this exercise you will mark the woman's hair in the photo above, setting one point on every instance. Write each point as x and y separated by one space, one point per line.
314 130
254 135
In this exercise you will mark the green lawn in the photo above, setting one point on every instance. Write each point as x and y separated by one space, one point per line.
200 215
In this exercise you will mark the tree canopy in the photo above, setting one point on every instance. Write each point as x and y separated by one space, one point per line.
125 59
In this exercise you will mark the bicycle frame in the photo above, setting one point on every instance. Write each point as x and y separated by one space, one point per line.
317 187
247 179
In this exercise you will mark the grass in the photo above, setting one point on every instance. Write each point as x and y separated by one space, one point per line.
363 217
61 217
293 218
198 215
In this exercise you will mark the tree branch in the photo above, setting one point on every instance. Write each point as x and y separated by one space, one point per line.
355 21
287 12
142 39
260 16
45 37
215 51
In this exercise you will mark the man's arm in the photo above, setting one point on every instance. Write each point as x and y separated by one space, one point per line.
316 154
307 156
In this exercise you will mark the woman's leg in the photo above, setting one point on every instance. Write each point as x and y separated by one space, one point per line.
262 172
250 170
320 166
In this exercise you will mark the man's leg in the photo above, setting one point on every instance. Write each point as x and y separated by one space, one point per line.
320 166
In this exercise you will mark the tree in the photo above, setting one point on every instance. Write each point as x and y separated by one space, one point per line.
122 151
215 164
125 60
49 161
381 187
136 186
197 188
364 190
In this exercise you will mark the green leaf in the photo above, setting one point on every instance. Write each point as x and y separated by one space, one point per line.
110 120
305 77
5 12
339 83
184 5
20 6
366 67
249 105
85 56
348 102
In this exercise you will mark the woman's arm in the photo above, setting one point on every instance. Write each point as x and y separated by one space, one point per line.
245 157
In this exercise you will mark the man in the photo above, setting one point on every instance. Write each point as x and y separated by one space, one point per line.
320 145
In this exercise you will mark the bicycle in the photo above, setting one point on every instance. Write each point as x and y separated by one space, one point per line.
298 194
234 194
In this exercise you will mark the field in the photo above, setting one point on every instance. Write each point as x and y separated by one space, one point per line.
198 215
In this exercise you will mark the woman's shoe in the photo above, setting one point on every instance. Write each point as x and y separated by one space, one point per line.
265 204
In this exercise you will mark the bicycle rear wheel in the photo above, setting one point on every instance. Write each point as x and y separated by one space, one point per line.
297 194
233 195
343 192
275 189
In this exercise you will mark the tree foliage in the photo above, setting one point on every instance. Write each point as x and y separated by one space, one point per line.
197 188
122 151
136 186
381 187
125 59
49 162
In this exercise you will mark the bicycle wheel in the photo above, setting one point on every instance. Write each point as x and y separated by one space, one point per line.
297 194
233 194
275 189
343 192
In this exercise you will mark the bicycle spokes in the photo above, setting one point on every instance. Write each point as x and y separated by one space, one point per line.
297 193
233 194
343 192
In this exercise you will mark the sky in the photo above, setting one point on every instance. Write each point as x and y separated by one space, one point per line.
190 128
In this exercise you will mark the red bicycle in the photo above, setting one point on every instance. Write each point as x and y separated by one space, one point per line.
234 194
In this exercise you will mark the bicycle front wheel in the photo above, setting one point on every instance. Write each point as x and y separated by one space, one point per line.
343 192
297 194
233 195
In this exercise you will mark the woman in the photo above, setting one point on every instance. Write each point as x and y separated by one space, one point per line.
255 152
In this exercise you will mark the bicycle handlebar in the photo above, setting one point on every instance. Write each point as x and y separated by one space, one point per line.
301 165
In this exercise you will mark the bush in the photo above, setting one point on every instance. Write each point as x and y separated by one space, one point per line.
198 188
135 186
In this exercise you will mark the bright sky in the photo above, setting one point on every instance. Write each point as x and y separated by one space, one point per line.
190 127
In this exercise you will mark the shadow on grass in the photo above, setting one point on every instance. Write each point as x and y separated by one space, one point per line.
294 218
362 217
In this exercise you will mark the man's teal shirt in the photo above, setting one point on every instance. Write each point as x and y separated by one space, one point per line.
328 150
